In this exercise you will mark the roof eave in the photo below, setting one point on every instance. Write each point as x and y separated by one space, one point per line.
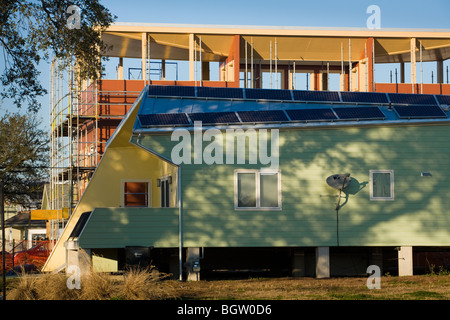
276 30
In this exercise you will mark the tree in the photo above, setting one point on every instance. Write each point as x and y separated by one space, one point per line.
23 157
32 31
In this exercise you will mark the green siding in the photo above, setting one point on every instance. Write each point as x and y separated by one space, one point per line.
418 215
120 227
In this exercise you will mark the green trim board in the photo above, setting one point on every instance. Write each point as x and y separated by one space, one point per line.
121 227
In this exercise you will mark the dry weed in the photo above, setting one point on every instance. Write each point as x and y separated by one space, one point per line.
40 287
135 285
97 286
142 284
147 285
25 288
54 287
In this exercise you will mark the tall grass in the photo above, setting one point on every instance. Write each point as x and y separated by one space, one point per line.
142 284
139 285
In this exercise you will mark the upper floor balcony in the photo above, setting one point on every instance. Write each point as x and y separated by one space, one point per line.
346 59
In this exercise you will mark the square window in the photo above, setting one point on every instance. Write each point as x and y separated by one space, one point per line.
135 194
381 185
255 189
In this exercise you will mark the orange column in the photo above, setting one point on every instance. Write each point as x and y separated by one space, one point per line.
237 40
370 64
233 61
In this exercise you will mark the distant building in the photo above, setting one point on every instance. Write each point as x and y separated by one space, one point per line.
21 227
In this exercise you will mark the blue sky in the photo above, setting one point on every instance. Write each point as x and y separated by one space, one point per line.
323 13
431 14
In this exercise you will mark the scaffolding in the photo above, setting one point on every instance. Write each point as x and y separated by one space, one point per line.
59 146
82 118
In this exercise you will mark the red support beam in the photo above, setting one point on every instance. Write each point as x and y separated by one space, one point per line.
370 64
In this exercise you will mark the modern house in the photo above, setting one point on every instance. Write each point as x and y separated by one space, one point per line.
134 191
85 113
199 180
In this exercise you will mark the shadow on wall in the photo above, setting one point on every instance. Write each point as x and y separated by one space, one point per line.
354 187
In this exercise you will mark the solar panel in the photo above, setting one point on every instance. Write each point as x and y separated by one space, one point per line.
263 116
411 112
407 98
207 92
328 96
214 117
325 114
443 99
364 97
171 91
269 94
163 119
360 113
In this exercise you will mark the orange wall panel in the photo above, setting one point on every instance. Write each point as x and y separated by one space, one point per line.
426 88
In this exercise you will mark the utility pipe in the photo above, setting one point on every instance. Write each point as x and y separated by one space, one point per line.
349 65
180 207
251 64
276 65
270 64
245 76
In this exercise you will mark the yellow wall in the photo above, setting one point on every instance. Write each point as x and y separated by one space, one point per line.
122 161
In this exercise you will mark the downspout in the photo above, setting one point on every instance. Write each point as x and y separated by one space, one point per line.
180 209
180 226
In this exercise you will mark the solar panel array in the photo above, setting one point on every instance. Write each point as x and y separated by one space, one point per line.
207 92
268 94
163 119
345 106
322 96
298 95
263 116
214 117
443 99
364 97
305 115
360 113
171 91
419 112
412 99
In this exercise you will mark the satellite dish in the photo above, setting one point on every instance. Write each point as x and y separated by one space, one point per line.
339 181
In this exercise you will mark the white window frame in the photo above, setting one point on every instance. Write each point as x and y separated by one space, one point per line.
149 192
257 173
391 173
165 179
